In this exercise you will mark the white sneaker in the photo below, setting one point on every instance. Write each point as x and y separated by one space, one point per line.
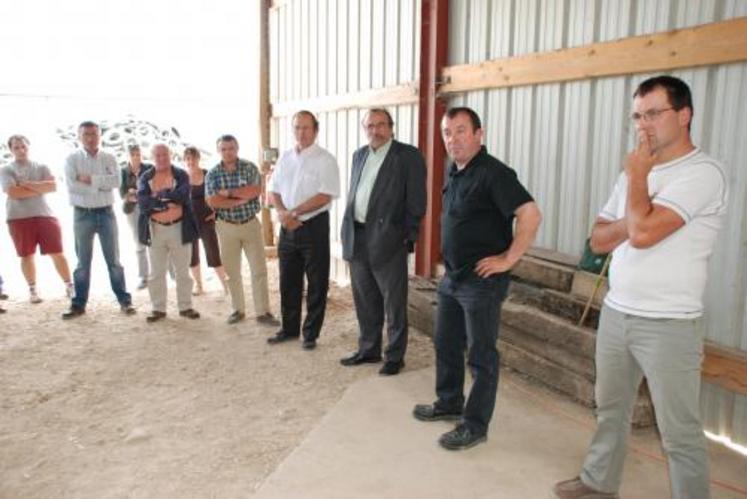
33 296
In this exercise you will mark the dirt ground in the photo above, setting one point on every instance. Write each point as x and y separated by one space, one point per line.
107 406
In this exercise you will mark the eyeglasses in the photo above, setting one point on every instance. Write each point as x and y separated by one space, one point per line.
649 115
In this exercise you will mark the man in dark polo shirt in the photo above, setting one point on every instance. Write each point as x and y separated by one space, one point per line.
479 246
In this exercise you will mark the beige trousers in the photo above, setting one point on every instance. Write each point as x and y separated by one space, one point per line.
247 238
166 243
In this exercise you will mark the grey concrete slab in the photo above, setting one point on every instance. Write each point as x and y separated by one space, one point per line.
369 445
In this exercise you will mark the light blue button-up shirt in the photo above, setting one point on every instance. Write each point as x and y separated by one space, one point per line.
102 167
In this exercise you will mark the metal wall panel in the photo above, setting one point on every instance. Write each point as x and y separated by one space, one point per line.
333 47
567 141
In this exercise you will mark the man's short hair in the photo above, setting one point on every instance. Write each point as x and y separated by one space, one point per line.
20 137
159 145
473 116
304 112
677 91
226 138
191 151
89 124
383 111
133 148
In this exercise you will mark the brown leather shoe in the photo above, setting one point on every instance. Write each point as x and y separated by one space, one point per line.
190 313
155 316
576 489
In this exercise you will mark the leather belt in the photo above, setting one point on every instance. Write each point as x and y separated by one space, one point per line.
170 222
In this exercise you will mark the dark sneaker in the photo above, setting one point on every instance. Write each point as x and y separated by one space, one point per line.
73 312
155 316
460 438
431 412
280 337
391 368
356 359
576 489
235 317
268 320
127 309
309 344
190 313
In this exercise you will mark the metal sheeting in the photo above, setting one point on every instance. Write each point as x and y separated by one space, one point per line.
567 141
333 47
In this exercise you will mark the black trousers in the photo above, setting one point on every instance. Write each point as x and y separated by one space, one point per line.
379 292
304 252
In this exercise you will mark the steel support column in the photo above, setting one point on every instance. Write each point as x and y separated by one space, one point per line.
434 42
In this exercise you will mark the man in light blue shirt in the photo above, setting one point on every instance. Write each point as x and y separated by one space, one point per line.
90 175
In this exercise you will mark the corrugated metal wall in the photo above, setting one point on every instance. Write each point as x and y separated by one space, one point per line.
567 141
334 47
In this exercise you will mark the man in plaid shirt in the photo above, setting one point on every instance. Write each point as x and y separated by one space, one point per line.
232 189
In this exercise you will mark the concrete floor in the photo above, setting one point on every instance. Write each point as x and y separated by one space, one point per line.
369 445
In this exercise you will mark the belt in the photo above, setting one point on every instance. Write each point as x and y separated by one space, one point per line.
359 225
237 222
101 208
170 222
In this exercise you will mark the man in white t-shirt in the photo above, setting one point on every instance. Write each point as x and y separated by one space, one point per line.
660 224
302 187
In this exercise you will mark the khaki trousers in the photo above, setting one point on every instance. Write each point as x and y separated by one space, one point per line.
246 237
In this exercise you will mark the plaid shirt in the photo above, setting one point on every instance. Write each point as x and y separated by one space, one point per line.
218 178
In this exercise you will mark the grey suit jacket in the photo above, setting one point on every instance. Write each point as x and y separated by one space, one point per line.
396 205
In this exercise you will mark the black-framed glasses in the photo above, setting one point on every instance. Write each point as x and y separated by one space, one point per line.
649 115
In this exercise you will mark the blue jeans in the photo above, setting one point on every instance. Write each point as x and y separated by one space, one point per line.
86 224
468 316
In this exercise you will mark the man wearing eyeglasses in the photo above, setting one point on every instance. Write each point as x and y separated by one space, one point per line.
380 226
660 224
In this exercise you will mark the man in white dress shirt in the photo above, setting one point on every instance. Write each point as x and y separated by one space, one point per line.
302 187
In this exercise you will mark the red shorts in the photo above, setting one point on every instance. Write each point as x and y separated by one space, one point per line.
28 232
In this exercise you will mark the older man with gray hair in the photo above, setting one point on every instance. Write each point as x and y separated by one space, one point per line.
167 226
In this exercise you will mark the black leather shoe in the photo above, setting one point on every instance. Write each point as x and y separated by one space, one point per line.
280 337
391 368
190 313
431 412
155 316
73 312
235 317
127 309
460 438
309 344
356 359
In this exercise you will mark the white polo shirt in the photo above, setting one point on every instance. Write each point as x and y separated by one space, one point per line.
667 280
300 176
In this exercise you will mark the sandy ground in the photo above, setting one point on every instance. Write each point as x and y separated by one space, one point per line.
107 406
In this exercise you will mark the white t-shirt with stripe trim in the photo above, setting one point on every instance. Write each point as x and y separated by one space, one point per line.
667 280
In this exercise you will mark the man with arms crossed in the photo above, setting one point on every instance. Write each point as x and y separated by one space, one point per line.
232 189
167 227
479 247
661 224
30 219
91 174
302 187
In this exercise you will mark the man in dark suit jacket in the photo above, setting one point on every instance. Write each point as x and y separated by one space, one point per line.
380 226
